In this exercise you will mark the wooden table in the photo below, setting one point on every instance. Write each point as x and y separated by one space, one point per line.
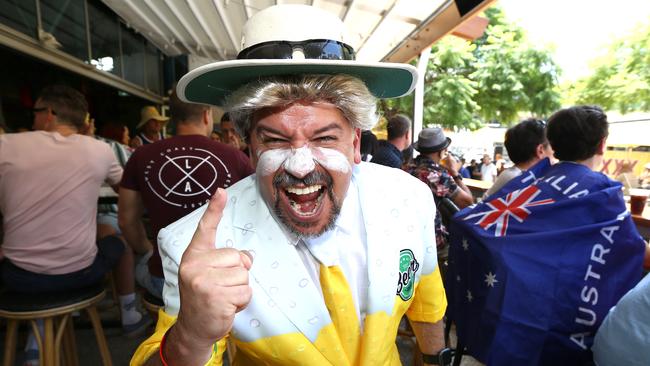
477 187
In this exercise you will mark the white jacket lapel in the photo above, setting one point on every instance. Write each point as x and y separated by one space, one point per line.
277 268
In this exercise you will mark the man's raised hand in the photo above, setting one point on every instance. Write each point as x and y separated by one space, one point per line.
213 283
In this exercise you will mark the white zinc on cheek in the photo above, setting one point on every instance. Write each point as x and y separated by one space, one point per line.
300 163
270 161
332 159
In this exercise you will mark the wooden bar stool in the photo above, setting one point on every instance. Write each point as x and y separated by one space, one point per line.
152 304
55 309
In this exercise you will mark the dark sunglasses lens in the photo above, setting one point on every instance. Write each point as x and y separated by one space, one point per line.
271 50
327 50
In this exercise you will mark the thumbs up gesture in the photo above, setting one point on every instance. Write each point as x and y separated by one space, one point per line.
213 283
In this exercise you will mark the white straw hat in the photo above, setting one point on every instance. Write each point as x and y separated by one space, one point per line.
292 39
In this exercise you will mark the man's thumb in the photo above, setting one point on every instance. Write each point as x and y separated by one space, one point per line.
205 233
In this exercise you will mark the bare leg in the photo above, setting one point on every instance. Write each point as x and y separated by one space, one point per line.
124 272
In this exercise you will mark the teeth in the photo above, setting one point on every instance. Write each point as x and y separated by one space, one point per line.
306 190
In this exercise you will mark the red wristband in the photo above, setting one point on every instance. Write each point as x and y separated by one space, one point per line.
162 345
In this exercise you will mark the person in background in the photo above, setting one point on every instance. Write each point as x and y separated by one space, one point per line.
526 144
407 156
546 256
499 163
107 213
115 131
216 134
439 171
644 178
49 181
299 263
389 152
624 336
464 171
368 145
230 135
150 127
488 169
171 178
474 169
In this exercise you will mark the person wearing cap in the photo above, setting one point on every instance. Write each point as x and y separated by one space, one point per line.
439 170
389 152
172 177
526 144
150 127
315 258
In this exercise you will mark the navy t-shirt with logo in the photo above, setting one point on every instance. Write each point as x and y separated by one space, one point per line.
177 175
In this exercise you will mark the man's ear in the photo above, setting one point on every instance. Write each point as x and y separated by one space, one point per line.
602 146
207 116
50 122
540 151
357 145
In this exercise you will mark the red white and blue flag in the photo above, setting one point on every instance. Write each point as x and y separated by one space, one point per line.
534 268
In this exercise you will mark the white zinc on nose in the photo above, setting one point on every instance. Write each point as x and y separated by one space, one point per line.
300 163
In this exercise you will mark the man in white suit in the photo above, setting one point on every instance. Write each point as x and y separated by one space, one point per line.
314 259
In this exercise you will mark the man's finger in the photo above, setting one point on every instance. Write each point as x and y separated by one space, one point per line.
205 233
246 259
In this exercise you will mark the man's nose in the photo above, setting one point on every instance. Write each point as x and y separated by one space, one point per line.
300 163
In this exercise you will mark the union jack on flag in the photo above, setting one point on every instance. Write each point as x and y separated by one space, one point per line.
515 204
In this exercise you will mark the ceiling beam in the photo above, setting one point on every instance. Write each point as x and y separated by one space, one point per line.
165 21
188 28
472 29
204 25
442 22
350 3
247 9
226 23
153 26
380 22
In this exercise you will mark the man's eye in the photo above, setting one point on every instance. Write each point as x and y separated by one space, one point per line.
326 138
271 140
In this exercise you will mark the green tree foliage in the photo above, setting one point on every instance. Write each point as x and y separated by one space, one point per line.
621 78
494 78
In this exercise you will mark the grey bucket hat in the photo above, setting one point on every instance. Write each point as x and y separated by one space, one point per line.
431 140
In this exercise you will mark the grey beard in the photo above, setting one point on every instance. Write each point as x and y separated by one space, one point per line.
283 180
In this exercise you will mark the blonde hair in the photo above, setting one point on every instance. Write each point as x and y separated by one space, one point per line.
349 94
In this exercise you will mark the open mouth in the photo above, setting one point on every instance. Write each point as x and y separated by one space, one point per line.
305 201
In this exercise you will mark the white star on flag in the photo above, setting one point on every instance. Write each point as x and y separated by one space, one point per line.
465 244
491 279
469 296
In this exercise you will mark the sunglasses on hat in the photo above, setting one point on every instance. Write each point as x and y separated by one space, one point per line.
323 49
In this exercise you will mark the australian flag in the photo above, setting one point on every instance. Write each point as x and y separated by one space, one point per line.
534 268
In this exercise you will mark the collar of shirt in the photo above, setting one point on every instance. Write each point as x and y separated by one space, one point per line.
326 247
